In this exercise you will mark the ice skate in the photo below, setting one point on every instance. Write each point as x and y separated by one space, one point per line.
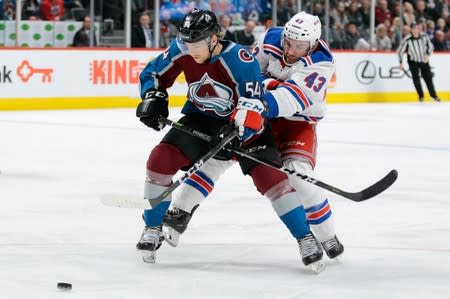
149 242
437 99
334 248
175 223
311 253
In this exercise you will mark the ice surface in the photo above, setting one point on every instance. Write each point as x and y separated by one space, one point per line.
55 164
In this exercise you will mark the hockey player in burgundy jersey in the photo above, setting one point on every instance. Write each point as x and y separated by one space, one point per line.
297 67
223 86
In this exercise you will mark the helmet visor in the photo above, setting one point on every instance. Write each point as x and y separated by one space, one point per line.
197 47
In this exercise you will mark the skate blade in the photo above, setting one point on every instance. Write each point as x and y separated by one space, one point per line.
338 259
148 256
316 267
171 236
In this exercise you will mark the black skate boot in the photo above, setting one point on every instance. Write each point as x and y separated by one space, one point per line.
311 253
150 241
175 223
333 247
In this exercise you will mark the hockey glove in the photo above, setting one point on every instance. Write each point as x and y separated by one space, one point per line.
270 84
248 117
226 153
153 106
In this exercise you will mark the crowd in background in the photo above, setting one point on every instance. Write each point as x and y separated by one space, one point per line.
349 19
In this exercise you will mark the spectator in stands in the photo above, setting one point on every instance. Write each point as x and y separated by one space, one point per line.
354 14
422 11
423 24
286 10
382 12
7 10
382 41
396 9
236 19
30 8
364 10
408 14
52 10
168 31
320 13
245 36
441 24
339 14
351 36
430 29
337 36
396 33
406 31
439 42
141 34
81 38
225 23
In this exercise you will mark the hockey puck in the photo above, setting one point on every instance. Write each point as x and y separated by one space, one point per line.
64 286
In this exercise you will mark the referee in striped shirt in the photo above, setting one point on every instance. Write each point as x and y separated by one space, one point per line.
418 49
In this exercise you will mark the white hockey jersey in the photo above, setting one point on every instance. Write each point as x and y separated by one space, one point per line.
301 93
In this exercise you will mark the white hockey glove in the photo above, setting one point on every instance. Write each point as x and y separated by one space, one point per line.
248 117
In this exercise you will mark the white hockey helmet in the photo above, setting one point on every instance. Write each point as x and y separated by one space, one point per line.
303 27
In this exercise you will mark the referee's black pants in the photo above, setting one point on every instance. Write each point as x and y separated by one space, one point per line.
418 68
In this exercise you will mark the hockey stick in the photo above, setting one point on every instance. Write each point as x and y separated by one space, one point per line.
129 202
363 195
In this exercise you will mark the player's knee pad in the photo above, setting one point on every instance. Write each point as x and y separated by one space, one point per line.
167 158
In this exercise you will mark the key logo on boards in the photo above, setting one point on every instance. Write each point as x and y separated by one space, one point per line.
25 71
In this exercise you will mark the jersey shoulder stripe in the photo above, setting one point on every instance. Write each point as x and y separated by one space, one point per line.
272 42
321 54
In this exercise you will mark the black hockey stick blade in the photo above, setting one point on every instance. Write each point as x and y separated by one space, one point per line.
374 189
363 195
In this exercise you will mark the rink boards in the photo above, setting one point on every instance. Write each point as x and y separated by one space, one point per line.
109 78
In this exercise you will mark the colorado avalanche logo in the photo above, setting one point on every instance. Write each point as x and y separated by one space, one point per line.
210 95
245 56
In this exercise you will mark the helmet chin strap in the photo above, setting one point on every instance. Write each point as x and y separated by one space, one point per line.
211 48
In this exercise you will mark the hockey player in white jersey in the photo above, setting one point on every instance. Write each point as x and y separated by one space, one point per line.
297 67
